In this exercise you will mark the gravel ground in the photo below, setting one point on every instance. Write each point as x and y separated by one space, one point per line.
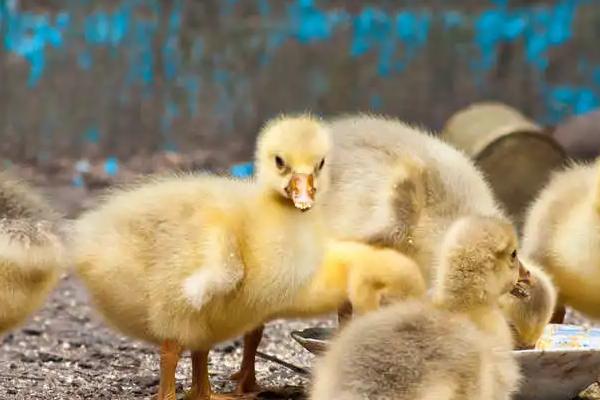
66 352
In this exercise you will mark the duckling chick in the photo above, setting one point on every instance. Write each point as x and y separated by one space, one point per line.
561 235
413 186
406 187
189 261
32 254
366 276
529 314
455 347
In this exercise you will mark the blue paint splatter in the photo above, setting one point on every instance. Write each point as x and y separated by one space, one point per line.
243 170
394 39
111 166
596 75
565 100
376 102
92 134
192 85
264 8
85 60
197 49
226 7
453 19
170 113
308 23
28 35
77 181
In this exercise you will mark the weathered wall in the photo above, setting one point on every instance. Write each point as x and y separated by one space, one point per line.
134 75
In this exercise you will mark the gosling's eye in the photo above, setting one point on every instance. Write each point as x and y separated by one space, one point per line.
279 162
321 164
513 255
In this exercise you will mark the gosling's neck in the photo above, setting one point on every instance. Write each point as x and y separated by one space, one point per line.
481 308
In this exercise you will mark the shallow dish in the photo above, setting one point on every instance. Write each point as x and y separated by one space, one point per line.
555 374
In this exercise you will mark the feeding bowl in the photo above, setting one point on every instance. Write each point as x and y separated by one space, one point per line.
566 362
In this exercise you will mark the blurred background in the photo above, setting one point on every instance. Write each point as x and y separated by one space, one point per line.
94 92
117 82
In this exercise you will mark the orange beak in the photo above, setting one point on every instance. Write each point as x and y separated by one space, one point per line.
524 274
520 289
301 190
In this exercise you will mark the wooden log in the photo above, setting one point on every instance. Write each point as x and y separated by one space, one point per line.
515 154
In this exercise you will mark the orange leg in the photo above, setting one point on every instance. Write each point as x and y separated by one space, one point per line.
344 314
246 376
201 389
170 352
200 383
559 314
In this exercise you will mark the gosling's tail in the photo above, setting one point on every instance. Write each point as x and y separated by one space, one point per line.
32 244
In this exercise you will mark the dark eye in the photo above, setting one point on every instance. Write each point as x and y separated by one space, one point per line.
279 162
513 255
321 164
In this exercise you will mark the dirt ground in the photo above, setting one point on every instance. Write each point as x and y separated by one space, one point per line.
66 352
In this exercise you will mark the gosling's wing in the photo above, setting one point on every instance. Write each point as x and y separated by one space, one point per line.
220 272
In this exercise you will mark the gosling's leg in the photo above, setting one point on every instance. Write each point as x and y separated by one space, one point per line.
170 352
246 376
559 314
201 389
247 388
200 382
344 314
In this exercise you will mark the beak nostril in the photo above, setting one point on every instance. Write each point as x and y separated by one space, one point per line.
301 190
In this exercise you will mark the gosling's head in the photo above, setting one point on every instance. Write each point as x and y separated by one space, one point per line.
291 159
478 262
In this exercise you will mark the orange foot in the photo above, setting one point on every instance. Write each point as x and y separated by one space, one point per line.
246 383
194 395
248 387
169 397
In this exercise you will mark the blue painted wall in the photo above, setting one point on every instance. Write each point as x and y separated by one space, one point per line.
125 76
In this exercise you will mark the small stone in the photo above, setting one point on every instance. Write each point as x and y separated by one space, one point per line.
49 357
147 381
31 332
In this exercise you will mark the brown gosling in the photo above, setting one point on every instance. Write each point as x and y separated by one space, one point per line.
529 314
458 346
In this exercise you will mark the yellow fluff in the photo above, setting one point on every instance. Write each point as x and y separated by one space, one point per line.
32 253
561 235
528 316
455 347
189 261
365 276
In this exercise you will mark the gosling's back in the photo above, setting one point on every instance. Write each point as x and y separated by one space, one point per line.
379 195
407 351
561 234
136 248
